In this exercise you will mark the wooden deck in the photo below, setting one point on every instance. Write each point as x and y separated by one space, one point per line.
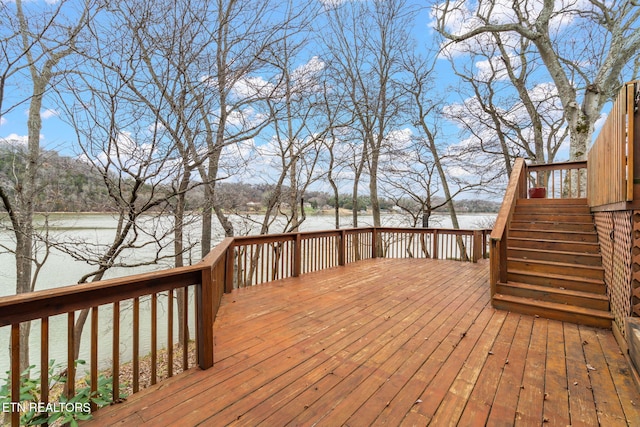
396 342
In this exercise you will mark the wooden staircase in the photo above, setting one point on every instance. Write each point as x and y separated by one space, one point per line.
554 268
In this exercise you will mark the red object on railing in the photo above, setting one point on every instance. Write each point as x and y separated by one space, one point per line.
537 193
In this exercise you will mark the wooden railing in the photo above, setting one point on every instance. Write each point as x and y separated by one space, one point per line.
235 262
263 258
560 180
611 158
204 281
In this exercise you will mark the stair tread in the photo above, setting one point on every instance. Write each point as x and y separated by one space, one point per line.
563 291
556 263
582 201
572 215
558 276
543 230
528 221
529 239
584 254
555 306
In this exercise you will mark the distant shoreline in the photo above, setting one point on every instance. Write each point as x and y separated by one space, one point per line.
325 212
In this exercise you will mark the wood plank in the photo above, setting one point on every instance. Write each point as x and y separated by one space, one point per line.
450 410
503 411
531 397
396 396
448 370
281 389
347 408
427 344
392 356
481 399
556 396
608 407
361 344
581 405
622 377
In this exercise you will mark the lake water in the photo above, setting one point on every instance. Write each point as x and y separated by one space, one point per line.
94 229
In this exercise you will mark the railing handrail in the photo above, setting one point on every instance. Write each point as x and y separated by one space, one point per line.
577 164
50 302
513 192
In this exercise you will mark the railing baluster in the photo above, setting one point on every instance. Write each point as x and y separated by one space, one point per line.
185 329
94 354
44 360
136 345
154 337
71 365
263 264
170 333
15 372
244 267
115 358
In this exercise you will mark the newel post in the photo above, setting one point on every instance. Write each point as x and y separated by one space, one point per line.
494 270
205 316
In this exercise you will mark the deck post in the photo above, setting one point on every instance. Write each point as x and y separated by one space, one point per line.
434 251
297 255
374 242
204 318
477 245
228 269
341 246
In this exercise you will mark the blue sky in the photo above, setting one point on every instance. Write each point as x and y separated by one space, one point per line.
57 135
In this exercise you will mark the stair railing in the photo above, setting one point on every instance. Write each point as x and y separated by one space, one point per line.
516 189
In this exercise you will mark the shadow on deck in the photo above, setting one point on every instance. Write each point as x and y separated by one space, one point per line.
394 341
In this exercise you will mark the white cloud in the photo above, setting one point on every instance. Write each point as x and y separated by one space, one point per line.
15 139
305 77
495 68
252 86
3 121
48 113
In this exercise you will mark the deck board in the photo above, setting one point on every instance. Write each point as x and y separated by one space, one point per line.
395 342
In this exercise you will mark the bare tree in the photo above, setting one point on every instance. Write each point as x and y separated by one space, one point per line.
365 45
409 179
294 106
339 122
507 110
165 45
242 33
118 138
37 43
586 47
